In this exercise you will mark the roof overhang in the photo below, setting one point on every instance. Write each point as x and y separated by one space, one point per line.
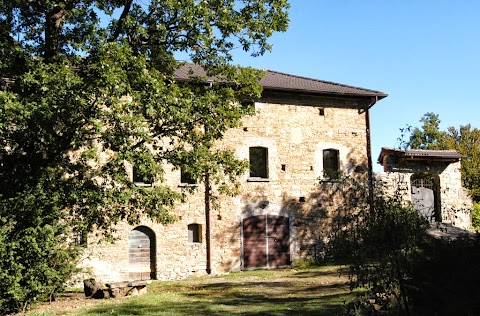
419 155
277 83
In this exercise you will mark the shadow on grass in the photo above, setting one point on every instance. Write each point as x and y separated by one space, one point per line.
247 305
269 288
315 273
235 299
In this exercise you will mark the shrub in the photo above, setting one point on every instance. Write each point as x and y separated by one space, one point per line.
381 246
445 278
35 264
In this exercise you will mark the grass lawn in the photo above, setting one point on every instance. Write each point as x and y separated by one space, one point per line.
313 291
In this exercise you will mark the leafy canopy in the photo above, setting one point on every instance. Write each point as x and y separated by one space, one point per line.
87 88
429 135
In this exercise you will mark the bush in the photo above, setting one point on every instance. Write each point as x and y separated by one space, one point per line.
405 270
445 279
35 264
381 247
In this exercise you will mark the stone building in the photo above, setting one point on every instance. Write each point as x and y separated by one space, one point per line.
431 180
306 135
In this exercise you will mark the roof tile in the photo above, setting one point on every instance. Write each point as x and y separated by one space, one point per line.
274 80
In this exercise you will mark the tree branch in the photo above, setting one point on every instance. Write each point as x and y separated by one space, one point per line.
121 20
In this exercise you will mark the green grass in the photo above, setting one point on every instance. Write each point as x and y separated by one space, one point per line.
313 291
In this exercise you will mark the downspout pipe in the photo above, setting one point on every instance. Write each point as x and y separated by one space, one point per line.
369 153
208 233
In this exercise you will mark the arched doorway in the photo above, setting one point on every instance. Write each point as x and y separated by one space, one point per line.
141 254
266 241
425 195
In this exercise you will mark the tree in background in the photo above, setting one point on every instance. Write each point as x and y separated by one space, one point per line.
429 135
465 140
87 87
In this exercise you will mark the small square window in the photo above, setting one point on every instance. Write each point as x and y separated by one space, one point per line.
194 233
187 178
258 162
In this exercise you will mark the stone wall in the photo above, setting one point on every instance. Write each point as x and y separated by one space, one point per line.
295 136
455 202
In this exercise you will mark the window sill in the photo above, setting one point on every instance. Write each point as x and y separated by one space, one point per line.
143 184
258 180
188 185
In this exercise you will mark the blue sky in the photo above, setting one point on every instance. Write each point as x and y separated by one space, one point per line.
424 53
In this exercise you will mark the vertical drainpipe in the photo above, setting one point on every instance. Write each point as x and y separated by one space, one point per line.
369 154
207 222
208 206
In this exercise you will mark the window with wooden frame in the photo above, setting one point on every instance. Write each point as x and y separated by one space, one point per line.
331 164
258 157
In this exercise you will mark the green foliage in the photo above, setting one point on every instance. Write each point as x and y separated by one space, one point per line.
476 216
36 264
379 244
388 240
466 140
429 136
80 98
445 278
406 271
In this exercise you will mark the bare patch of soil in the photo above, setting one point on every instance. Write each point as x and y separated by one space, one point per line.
65 302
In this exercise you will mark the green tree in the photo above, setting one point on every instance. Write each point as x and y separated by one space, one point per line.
87 86
466 140
429 135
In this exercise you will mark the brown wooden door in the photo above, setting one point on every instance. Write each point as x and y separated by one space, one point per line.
266 241
278 241
254 242
141 254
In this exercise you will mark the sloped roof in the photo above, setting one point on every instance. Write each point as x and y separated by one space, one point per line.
282 81
420 154
274 80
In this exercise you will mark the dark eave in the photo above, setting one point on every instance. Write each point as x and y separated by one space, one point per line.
420 155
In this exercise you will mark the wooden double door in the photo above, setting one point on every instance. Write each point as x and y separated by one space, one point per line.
266 241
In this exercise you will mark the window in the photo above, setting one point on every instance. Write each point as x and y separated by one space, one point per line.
331 164
258 162
80 238
186 177
194 233
141 177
